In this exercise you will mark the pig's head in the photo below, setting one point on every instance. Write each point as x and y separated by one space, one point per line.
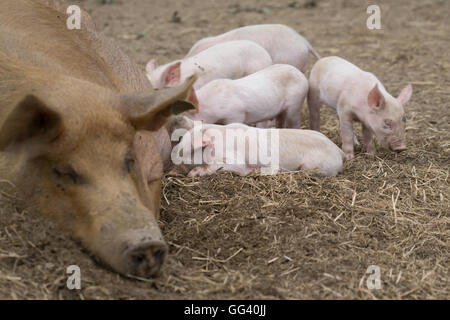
84 156
168 75
387 117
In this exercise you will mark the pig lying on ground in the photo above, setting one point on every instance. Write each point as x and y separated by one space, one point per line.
284 44
242 149
275 92
357 96
229 60
74 134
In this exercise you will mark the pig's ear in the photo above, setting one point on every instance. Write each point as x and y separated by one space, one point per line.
171 76
30 120
207 138
193 99
151 66
405 94
375 98
150 112
188 123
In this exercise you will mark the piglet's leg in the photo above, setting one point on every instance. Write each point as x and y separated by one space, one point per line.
241 170
368 140
203 170
355 140
292 118
347 137
314 109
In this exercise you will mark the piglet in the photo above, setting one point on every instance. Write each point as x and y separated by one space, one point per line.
357 95
277 92
230 60
284 44
243 149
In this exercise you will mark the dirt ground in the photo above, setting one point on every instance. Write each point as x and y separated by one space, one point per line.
289 236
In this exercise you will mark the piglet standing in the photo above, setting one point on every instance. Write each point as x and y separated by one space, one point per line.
242 149
357 96
274 92
283 43
230 60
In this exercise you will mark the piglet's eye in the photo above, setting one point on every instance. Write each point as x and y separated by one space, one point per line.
129 163
388 124
404 118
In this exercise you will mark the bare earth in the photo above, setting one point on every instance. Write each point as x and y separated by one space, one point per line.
289 236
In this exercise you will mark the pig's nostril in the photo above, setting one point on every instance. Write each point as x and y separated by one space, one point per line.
138 259
159 255
145 260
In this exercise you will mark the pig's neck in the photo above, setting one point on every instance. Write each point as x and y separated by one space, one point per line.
164 147
16 177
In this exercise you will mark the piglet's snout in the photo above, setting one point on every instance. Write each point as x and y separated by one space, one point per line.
400 148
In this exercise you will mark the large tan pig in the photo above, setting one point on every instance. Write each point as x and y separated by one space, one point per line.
74 119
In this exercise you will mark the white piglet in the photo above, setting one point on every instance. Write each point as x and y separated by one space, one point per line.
357 96
230 60
283 43
275 92
279 149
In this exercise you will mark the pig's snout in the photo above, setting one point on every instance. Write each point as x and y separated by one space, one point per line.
139 253
144 259
400 148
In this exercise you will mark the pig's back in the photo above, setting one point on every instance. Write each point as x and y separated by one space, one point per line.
45 42
310 148
335 76
283 43
284 77
228 60
222 52
270 85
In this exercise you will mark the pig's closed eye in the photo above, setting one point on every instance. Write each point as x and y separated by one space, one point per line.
129 163
69 173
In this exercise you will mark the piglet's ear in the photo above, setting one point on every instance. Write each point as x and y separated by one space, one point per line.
171 76
207 138
193 99
405 94
151 66
375 99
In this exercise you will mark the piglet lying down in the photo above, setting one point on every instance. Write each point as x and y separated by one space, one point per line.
207 148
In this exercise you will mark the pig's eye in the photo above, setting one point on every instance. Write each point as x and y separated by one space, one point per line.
70 173
387 124
404 118
129 163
